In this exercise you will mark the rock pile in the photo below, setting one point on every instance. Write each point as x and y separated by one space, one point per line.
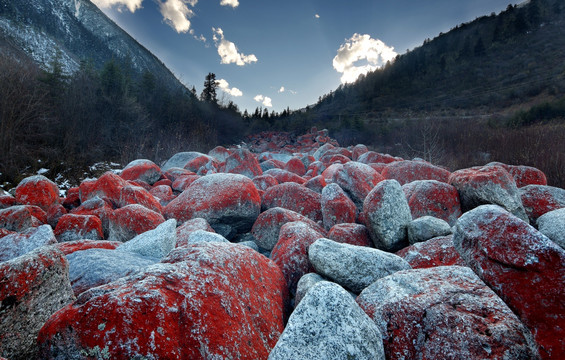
285 248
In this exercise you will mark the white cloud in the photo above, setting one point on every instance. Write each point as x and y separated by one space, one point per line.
265 100
361 47
228 51
281 90
232 3
317 16
132 5
177 13
225 87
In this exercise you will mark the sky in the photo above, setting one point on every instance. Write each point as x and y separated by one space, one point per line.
279 54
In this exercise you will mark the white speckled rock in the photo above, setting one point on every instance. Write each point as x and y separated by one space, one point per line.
387 215
552 225
353 267
156 243
204 236
427 227
328 324
304 284
14 245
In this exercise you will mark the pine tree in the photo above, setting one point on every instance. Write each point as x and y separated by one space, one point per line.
209 91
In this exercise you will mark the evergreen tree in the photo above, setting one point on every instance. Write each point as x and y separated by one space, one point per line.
209 92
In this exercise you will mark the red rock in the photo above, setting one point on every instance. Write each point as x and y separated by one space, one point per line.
228 199
243 162
190 226
215 301
108 186
165 182
132 220
142 170
330 173
195 164
98 207
337 207
72 200
316 184
141 184
5 232
294 197
329 159
136 195
77 227
18 244
357 151
291 251
70 247
374 157
527 175
220 153
354 234
444 312
265 181
284 176
163 193
174 173
267 227
524 267
183 182
37 190
32 288
438 251
54 213
314 169
433 198
296 166
272 164
357 180
540 199
6 201
407 171
20 217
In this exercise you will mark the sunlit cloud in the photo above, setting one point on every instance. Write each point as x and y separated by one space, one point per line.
132 5
361 47
281 90
225 87
177 13
229 52
317 16
265 100
232 3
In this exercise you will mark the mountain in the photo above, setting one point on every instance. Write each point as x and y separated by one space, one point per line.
73 31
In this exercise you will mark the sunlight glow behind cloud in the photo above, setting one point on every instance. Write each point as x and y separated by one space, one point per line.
232 3
225 87
361 47
228 51
177 13
132 5
265 100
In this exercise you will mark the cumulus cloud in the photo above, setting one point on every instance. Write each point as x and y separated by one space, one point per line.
281 90
132 5
225 87
361 47
229 52
232 3
177 13
317 16
265 100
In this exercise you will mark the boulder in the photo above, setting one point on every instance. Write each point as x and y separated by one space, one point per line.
190 226
20 218
18 244
220 153
387 215
296 166
137 195
97 207
70 247
438 251
182 183
37 190
337 207
353 267
316 184
108 186
353 234
294 197
132 220
268 225
328 324
524 267
409 170
552 225
357 151
77 227
374 157
32 288
291 251
433 198
142 170
487 185
7 201
179 160
243 162
163 193
305 284
357 180
94 267
540 199
427 227
199 236
264 182
444 312
229 199
527 175
54 213
208 301
155 243
284 176
72 200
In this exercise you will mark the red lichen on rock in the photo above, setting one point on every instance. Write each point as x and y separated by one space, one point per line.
137 195
433 198
540 199
353 234
337 207
132 220
37 190
76 227
407 171
434 252
70 247
294 197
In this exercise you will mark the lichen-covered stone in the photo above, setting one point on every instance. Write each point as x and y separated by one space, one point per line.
37 190
337 207
18 244
427 227
438 251
433 198
294 197
155 243
77 227
552 225
132 220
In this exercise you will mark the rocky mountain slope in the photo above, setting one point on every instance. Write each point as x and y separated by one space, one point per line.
72 31
299 250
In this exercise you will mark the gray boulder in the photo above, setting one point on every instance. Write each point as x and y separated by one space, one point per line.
427 227
156 243
552 225
14 245
199 236
353 267
304 284
328 324
179 160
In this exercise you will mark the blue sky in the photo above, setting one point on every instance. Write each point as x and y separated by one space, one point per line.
280 54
